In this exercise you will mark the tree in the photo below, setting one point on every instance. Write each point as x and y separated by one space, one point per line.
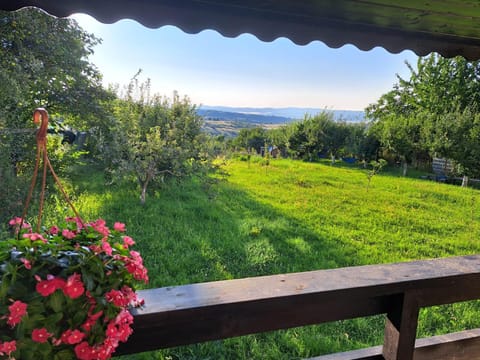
408 118
315 128
251 138
375 168
402 135
155 137
361 142
312 135
297 140
335 136
457 137
279 138
43 62
438 86
325 135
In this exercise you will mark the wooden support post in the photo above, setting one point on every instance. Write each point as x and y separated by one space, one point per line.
401 328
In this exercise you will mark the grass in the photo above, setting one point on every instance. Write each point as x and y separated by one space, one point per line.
286 217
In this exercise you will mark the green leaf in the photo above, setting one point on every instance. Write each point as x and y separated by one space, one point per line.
56 301
64 355
18 290
52 321
88 280
28 354
4 287
78 318
45 349
36 305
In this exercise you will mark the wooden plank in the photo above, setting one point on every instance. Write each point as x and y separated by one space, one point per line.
464 345
216 310
401 328
362 280
174 328
372 353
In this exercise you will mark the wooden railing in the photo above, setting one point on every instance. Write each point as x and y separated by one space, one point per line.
195 313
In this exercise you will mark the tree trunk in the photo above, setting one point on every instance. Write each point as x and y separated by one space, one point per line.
404 168
333 159
144 185
143 195
465 181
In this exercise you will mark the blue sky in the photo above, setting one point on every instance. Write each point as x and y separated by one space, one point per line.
244 71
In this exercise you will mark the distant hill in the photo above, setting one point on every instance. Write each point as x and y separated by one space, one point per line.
243 117
291 113
223 120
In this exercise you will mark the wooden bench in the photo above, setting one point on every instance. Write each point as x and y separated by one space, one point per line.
189 314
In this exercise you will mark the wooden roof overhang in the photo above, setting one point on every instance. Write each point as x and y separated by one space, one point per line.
449 27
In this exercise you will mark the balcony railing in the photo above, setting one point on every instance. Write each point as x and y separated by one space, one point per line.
189 314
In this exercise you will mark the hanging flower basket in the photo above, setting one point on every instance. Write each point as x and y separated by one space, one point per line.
65 291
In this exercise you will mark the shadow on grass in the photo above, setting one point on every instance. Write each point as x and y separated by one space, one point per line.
189 232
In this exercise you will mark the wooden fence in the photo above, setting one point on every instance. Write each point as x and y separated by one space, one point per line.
188 314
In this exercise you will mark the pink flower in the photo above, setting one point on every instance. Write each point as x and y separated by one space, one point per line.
130 295
124 331
99 222
136 255
96 316
34 237
92 318
111 331
105 352
106 247
72 337
109 345
8 347
47 287
118 226
137 269
101 227
117 298
53 230
127 241
119 332
96 249
124 317
134 265
26 263
74 286
17 310
16 221
85 351
40 335
68 234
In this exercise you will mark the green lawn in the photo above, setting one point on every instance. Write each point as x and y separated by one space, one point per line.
287 217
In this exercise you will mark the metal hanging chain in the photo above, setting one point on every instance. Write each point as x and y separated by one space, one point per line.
40 116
